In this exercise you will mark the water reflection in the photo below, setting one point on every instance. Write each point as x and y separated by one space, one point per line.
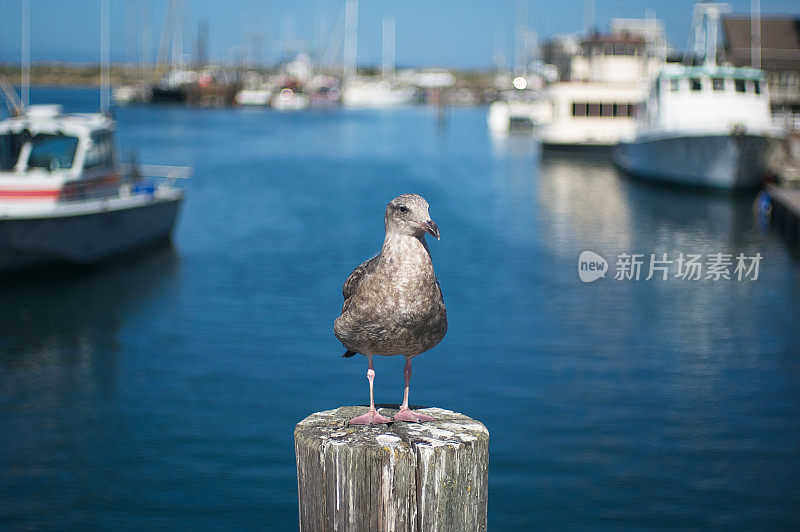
587 202
62 316
593 206
61 371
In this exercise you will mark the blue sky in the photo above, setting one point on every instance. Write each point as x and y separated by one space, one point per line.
456 33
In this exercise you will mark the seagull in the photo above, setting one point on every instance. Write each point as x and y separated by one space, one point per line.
392 302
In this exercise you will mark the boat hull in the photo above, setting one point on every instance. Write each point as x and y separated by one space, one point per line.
85 238
726 162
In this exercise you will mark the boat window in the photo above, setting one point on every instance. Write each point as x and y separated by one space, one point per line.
757 86
674 84
632 110
10 144
607 109
101 152
578 109
52 151
739 84
718 84
620 109
593 109
696 84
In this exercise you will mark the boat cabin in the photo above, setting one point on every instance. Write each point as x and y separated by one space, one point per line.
707 100
47 155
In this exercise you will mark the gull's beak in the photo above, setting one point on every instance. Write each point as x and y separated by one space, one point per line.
431 227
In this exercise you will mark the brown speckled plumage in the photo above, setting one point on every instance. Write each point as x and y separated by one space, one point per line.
393 303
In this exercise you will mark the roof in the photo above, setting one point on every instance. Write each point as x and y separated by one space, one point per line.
676 71
780 41
50 119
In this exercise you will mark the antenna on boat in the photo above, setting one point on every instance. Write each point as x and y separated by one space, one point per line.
105 58
25 70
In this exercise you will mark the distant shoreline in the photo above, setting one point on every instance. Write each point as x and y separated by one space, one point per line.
88 75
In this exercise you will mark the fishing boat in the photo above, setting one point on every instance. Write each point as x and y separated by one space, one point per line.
64 196
704 125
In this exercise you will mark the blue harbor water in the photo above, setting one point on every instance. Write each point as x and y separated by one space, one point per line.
161 392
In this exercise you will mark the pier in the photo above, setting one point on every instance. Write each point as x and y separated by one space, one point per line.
785 201
400 476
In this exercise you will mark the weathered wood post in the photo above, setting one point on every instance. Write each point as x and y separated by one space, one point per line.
396 477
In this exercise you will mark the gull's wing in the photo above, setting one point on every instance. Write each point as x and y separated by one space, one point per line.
366 267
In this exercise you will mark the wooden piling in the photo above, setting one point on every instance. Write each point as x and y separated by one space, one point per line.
396 477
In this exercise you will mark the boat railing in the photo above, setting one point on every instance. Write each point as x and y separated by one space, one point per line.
170 173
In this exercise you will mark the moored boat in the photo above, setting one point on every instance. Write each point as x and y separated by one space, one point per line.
65 197
706 126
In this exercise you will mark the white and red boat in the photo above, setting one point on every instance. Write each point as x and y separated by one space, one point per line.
65 197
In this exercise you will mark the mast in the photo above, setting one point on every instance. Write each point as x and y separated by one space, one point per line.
163 43
105 58
521 52
350 39
177 36
25 71
387 66
755 33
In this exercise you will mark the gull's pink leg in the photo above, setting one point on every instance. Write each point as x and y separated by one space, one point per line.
372 417
405 414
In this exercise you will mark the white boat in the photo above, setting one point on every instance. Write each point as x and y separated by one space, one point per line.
517 110
253 97
705 126
131 94
254 91
375 94
590 115
602 84
64 196
290 100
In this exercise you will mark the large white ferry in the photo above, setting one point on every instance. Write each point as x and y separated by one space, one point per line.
603 81
65 197
705 125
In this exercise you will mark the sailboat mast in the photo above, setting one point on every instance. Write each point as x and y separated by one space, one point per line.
105 56
350 39
387 67
25 71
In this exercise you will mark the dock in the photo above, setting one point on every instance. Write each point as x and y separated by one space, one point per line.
785 203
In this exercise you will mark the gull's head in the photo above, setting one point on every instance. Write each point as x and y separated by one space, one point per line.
408 214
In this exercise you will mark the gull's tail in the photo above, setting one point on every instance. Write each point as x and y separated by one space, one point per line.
348 354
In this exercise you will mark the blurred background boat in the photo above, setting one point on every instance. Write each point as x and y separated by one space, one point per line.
703 125
602 79
518 110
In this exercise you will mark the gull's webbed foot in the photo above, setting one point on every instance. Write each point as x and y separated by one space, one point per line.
406 414
370 418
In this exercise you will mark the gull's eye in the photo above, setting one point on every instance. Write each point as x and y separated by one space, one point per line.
403 208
